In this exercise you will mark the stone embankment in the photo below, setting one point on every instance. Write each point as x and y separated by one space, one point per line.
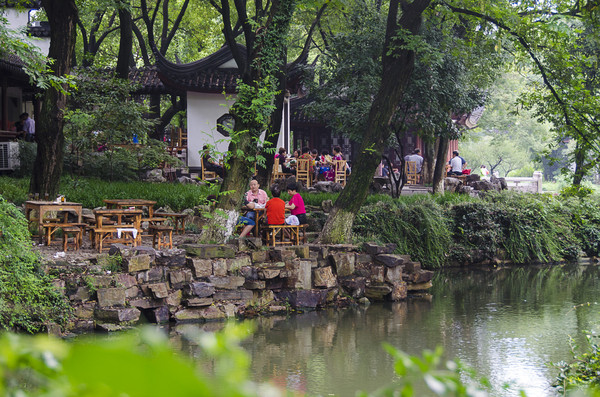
213 282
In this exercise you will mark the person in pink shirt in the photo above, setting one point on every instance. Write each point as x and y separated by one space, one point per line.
296 203
256 197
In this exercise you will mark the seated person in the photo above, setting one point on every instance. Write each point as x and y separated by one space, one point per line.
255 198
417 158
456 164
296 203
326 166
209 164
248 225
275 208
284 161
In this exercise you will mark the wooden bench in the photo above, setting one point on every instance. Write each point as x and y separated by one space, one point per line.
110 235
51 227
177 220
284 234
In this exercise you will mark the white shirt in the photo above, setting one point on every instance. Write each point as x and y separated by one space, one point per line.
418 159
456 164
29 126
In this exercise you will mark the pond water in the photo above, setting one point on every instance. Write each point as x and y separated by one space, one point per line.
507 324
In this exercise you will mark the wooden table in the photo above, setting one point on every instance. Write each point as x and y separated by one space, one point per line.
42 207
126 203
121 219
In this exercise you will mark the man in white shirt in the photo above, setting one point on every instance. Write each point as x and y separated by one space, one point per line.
457 164
417 158
28 127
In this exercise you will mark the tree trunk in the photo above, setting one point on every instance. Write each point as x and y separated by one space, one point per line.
429 163
47 167
126 40
398 64
579 164
157 131
439 173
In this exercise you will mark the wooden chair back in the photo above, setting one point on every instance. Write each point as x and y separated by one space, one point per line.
208 174
303 171
278 170
340 171
412 177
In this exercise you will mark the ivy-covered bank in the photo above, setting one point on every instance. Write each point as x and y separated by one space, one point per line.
28 299
507 227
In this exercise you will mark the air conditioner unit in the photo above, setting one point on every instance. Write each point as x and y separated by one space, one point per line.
9 156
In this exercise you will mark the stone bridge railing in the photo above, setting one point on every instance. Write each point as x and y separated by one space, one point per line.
531 185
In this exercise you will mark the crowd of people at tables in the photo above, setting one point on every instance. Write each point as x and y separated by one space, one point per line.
256 198
322 164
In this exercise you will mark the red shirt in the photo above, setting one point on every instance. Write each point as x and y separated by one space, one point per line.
275 211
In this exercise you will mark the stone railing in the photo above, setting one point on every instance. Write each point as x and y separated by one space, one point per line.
532 185
213 282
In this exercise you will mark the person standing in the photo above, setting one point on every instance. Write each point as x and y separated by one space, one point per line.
28 127
484 171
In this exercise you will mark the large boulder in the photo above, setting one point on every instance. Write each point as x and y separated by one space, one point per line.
452 184
155 175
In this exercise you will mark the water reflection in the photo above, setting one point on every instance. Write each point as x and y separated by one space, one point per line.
508 324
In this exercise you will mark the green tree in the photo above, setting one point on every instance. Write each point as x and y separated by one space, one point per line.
508 137
47 167
397 66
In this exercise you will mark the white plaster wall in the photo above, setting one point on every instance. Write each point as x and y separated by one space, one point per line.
18 19
203 110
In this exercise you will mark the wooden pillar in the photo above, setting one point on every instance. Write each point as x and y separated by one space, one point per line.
4 115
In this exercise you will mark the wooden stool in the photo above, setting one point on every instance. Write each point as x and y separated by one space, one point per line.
75 233
162 236
178 220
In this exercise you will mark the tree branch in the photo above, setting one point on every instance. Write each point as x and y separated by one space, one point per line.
561 103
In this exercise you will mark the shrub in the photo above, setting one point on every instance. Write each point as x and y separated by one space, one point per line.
90 192
28 300
576 191
420 231
583 371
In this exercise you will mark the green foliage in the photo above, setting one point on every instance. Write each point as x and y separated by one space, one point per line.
114 263
107 368
419 230
576 191
101 115
508 139
43 366
453 229
581 374
27 153
90 192
432 373
37 66
28 300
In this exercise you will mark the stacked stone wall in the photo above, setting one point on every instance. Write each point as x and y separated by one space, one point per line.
215 282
